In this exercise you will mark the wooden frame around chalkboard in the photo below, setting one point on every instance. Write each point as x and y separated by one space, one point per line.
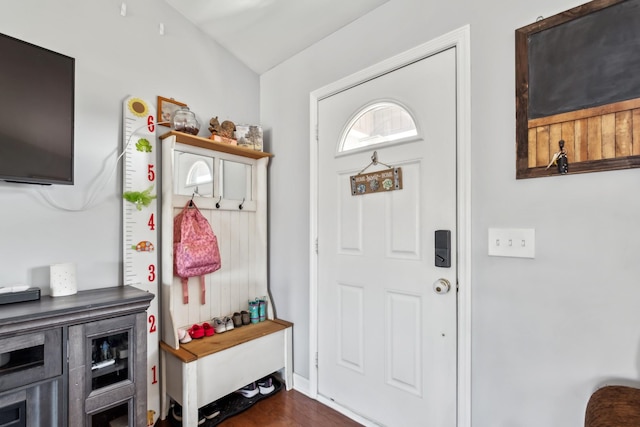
600 133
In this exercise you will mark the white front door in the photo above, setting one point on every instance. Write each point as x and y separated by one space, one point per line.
386 338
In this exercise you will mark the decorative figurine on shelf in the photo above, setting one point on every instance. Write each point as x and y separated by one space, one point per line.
214 125
225 129
105 350
228 129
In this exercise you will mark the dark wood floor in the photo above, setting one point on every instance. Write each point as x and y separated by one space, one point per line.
285 408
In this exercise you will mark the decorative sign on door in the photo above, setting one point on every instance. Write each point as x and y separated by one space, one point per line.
140 234
375 182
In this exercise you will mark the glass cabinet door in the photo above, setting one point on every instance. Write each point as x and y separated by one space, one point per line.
103 384
109 359
109 347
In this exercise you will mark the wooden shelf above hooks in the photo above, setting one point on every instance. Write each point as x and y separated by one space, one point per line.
197 141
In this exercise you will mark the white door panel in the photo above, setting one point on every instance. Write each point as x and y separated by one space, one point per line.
386 340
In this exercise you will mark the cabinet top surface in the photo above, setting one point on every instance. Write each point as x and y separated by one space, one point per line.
197 141
73 305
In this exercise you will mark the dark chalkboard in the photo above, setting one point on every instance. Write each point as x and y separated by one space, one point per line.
578 80
589 61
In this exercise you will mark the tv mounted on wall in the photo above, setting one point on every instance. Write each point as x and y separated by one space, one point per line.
37 88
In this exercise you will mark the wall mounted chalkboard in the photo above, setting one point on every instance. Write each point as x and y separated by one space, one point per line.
578 80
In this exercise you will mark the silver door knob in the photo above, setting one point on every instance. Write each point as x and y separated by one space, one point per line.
441 286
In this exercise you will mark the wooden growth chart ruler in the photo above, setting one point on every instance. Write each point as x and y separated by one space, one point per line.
140 223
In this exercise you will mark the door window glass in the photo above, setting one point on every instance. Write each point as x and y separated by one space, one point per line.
378 123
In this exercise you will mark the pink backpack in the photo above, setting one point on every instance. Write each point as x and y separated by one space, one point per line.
195 248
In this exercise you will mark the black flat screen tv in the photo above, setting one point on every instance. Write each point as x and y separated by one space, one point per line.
37 94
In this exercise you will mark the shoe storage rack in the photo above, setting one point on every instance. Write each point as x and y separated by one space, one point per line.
234 201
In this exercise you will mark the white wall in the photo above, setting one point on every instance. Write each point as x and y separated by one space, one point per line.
116 57
547 331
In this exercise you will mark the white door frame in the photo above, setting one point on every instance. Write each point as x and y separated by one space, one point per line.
460 39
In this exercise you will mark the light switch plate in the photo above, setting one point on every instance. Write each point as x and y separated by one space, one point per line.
512 242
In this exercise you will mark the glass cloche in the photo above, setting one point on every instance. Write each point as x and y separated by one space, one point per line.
184 120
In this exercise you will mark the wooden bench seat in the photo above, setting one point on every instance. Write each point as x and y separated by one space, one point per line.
204 370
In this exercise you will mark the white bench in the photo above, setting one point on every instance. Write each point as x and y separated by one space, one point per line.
204 370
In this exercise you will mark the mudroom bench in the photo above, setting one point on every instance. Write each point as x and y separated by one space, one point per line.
231 193
204 370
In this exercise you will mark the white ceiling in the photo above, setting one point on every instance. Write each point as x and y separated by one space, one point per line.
264 33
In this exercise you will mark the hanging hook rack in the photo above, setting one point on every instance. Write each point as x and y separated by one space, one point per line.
374 162
195 193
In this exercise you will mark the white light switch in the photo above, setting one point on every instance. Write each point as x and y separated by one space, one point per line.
512 242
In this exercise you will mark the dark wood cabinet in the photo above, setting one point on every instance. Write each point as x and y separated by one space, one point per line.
76 360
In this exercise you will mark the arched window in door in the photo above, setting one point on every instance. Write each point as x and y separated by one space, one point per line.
378 123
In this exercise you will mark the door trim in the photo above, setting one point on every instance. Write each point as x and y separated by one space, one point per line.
460 39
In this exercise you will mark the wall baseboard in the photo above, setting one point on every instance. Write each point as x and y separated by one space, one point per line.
302 385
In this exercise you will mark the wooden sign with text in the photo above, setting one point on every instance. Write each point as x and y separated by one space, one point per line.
376 182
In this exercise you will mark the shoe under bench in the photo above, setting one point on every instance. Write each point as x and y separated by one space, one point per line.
206 369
